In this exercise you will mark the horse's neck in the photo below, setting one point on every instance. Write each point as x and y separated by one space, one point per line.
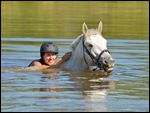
76 62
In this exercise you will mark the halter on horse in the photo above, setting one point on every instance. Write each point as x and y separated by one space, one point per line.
90 49
95 60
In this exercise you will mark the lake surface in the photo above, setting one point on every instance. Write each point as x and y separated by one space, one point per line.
128 19
126 90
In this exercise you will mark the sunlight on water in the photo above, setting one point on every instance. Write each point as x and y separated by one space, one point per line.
127 89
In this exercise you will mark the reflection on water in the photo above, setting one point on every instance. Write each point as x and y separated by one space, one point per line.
127 89
64 18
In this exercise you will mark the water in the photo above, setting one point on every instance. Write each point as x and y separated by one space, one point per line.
127 19
126 90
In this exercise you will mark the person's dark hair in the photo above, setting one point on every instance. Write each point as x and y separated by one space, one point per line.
48 47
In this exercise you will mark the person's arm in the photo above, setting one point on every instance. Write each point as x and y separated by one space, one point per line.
64 58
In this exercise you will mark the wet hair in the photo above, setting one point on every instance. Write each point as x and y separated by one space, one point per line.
42 54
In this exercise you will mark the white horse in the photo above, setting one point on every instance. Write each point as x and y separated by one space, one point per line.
90 49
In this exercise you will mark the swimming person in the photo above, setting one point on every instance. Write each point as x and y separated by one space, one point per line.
48 53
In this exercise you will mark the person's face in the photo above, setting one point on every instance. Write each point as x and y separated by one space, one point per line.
49 58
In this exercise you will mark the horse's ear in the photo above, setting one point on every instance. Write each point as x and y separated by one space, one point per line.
84 28
100 26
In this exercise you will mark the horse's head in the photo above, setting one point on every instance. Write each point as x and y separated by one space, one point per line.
95 48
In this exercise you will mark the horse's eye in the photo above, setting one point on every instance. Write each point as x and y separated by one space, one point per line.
90 45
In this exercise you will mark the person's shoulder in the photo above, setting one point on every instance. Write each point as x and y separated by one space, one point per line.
35 63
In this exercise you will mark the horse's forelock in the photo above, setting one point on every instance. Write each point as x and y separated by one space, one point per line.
88 34
92 32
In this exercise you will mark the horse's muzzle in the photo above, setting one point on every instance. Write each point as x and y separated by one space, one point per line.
106 65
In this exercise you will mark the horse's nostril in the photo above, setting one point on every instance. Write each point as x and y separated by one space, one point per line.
105 62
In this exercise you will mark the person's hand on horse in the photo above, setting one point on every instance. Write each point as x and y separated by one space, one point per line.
67 56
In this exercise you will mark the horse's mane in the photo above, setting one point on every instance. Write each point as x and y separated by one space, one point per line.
76 42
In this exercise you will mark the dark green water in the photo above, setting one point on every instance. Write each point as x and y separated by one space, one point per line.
121 19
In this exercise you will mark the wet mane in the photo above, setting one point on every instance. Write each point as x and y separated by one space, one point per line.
76 41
